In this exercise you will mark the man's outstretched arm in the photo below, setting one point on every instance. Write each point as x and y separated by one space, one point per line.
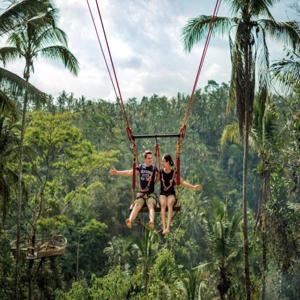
114 172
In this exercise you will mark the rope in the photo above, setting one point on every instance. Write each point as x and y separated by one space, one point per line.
215 12
134 167
157 156
102 51
182 129
177 166
129 132
118 95
116 90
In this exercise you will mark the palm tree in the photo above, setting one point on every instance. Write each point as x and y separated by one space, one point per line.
250 57
189 283
262 139
287 70
221 232
39 36
147 249
11 17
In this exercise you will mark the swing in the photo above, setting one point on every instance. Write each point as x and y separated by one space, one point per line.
135 165
115 83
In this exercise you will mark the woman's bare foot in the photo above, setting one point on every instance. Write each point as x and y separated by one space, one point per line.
151 225
166 231
128 223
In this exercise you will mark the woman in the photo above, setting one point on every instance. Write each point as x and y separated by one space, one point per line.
167 196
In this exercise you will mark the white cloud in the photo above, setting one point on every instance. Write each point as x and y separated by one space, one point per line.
212 71
145 39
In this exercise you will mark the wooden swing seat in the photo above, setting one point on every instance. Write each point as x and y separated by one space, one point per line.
176 208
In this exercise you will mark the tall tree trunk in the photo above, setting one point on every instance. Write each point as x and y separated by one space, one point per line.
265 197
224 283
30 266
20 186
264 263
246 94
245 217
20 196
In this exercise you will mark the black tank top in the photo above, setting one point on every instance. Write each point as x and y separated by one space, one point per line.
167 183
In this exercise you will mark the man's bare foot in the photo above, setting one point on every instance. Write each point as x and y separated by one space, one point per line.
166 231
151 225
128 223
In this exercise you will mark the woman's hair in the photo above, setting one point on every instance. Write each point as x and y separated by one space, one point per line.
168 158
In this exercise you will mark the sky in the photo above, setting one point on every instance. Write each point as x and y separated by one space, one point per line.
147 48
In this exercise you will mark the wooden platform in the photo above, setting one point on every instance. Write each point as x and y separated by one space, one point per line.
55 246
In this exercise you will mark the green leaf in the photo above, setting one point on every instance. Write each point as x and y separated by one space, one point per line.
8 54
7 106
18 12
16 85
62 54
286 32
231 134
197 28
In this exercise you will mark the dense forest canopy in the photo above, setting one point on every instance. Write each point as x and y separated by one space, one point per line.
62 232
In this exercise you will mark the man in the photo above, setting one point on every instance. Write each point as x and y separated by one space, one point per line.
148 175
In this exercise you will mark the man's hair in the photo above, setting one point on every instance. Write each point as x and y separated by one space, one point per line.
147 152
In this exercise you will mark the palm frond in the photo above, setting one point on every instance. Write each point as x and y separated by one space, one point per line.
262 61
8 54
236 6
39 23
15 39
231 102
50 36
231 134
261 7
7 106
271 126
17 85
18 12
265 126
286 32
287 71
198 27
62 54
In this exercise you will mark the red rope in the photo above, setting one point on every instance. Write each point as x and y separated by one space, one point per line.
215 12
115 74
102 51
183 126
157 155
119 94
178 170
134 166
187 113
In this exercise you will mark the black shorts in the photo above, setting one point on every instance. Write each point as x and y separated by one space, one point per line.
168 194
